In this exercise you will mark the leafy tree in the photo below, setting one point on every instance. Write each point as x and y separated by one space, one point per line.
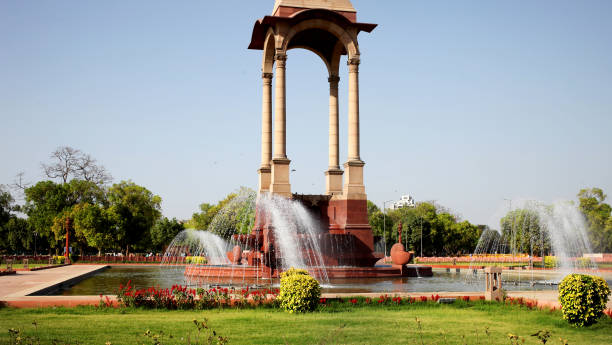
49 203
427 225
234 214
45 201
522 233
92 226
15 234
134 210
597 213
164 231
201 220
382 226
6 205
19 237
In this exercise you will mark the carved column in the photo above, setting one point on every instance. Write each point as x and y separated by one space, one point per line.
266 134
333 175
353 183
280 164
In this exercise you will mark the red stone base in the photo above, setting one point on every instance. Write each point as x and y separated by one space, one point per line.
249 273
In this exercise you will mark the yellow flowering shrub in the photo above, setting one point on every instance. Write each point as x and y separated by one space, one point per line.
583 298
299 292
200 260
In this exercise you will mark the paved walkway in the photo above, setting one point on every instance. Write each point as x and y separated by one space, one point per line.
18 287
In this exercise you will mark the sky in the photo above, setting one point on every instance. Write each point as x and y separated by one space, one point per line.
467 103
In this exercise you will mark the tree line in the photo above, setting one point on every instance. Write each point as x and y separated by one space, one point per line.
125 217
522 229
121 217
426 228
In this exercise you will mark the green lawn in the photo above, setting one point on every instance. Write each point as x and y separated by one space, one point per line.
460 323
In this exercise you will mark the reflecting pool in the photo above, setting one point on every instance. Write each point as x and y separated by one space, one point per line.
108 281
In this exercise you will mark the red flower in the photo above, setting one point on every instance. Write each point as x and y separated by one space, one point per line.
423 298
354 301
466 298
323 300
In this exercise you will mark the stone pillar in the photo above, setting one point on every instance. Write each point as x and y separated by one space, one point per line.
333 175
493 286
280 108
280 164
353 183
353 110
266 134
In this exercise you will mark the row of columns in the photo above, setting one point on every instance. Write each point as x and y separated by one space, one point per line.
274 169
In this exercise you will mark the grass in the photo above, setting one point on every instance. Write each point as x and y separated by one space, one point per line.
458 323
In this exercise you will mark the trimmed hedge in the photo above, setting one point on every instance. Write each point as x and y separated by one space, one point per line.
583 298
59 260
299 292
551 261
200 260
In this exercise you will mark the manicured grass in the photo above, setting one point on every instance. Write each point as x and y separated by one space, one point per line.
459 323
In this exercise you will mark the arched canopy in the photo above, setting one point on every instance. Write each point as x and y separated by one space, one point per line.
326 33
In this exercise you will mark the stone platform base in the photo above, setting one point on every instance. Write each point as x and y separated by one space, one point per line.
233 272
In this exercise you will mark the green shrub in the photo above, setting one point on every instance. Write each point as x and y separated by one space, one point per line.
299 292
583 298
200 260
551 261
584 263
74 258
58 259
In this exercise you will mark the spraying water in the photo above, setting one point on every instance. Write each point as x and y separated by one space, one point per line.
296 234
556 233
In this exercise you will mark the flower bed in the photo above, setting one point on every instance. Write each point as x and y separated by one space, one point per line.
183 297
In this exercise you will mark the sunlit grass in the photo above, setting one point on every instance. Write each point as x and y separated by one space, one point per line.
338 323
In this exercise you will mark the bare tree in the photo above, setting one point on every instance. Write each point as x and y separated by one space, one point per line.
18 183
71 162
19 186
66 162
88 170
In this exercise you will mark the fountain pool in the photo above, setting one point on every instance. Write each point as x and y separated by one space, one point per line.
107 281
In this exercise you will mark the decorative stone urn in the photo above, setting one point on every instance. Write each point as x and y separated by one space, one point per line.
235 256
399 255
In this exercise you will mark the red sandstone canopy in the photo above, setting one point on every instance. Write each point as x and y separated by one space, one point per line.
293 11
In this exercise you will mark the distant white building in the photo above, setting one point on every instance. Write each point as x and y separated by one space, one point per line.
405 201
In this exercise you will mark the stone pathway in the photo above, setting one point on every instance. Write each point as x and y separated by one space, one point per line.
15 289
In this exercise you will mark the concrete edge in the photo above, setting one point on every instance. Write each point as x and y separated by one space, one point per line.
57 284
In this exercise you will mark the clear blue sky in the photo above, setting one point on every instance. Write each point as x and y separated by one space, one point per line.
462 102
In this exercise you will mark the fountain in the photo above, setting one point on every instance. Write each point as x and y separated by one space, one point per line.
533 231
286 233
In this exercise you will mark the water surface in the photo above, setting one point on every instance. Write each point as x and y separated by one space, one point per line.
108 281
